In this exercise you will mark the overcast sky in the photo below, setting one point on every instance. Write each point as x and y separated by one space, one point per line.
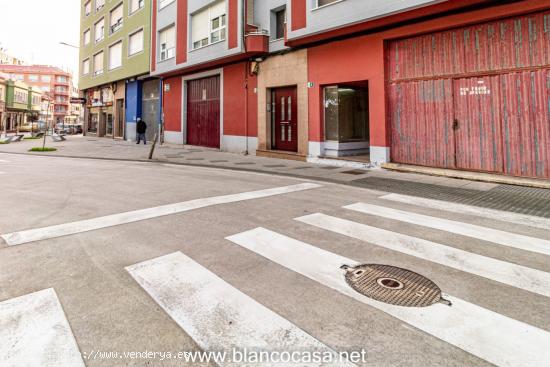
32 30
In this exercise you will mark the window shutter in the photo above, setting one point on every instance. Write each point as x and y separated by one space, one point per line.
116 15
115 56
200 26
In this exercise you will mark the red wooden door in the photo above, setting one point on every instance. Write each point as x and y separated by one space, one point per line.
285 126
203 112
478 124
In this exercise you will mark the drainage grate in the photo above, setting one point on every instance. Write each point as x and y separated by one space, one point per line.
218 161
244 163
195 159
393 285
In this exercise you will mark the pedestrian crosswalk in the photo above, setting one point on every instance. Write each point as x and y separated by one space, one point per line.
219 316
35 332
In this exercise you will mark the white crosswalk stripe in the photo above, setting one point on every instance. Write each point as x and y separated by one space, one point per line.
501 271
31 235
218 316
35 332
504 238
527 220
486 334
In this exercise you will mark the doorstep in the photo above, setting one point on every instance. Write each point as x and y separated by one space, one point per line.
354 162
281 154
470 175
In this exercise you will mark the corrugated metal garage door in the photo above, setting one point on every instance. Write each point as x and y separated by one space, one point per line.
203 112
475 98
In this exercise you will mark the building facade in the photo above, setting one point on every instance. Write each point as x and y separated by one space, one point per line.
459 84
51 80
114 67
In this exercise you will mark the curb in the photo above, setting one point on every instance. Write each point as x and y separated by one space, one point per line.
468 175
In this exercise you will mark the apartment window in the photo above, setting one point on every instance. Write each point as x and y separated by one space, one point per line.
280 24
86 67
18 76
45 89
98 63
87 37
135 42
46 78
163 3
99 30
115 56
135 5
88 8
167 39
116 18
33 77
61 79
99 4
209 25
325 2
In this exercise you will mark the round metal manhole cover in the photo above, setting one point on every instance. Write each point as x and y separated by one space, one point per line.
393 285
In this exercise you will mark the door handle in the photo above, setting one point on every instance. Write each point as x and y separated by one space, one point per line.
455 124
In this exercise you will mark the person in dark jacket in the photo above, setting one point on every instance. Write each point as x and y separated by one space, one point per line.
141 128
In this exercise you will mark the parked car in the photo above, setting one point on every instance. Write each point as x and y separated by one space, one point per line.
31 127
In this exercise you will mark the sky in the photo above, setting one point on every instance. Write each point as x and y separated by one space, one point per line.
32 29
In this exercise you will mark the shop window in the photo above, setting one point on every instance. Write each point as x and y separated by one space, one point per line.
93 122
346 113
109 124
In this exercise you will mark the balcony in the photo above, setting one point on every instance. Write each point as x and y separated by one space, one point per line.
257 42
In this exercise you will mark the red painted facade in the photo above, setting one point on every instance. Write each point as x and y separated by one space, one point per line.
172 103
240 103
233 24
298 14
181 32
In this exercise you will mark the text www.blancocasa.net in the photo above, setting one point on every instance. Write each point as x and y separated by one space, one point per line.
234 356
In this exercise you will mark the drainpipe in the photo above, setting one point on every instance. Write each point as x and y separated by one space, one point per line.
246 107
161 112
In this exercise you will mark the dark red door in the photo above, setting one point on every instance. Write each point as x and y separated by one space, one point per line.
203 112
285 126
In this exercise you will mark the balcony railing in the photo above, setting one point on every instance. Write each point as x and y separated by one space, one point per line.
257 41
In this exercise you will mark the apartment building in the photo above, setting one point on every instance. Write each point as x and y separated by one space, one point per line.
18 103
51 80
456 84
114 68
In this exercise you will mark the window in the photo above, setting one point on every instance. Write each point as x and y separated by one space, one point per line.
346 113
99 4
280 24
88 8
33 77
2 95
116 18
163 3
45 89
98 63
135 5
87 36
325 2
46 78
18 76
115 56
99 30
135 42
167 43
209 25
61 78
86 67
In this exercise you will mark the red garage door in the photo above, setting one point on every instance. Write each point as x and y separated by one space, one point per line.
203 112
475 98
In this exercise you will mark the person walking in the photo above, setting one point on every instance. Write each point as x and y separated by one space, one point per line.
141 128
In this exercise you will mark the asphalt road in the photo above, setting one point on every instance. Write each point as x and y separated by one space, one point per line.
97 261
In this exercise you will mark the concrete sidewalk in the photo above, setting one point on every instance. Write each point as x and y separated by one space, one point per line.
90 147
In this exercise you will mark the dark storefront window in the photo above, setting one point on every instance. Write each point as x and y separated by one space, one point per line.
346 113
109 124
94 121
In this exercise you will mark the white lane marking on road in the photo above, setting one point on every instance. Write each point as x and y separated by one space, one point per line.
527 220
501 271
35 332
4 161
31 235
465 229
486 334
215 314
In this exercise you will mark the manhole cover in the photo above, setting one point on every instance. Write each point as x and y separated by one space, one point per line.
393 285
